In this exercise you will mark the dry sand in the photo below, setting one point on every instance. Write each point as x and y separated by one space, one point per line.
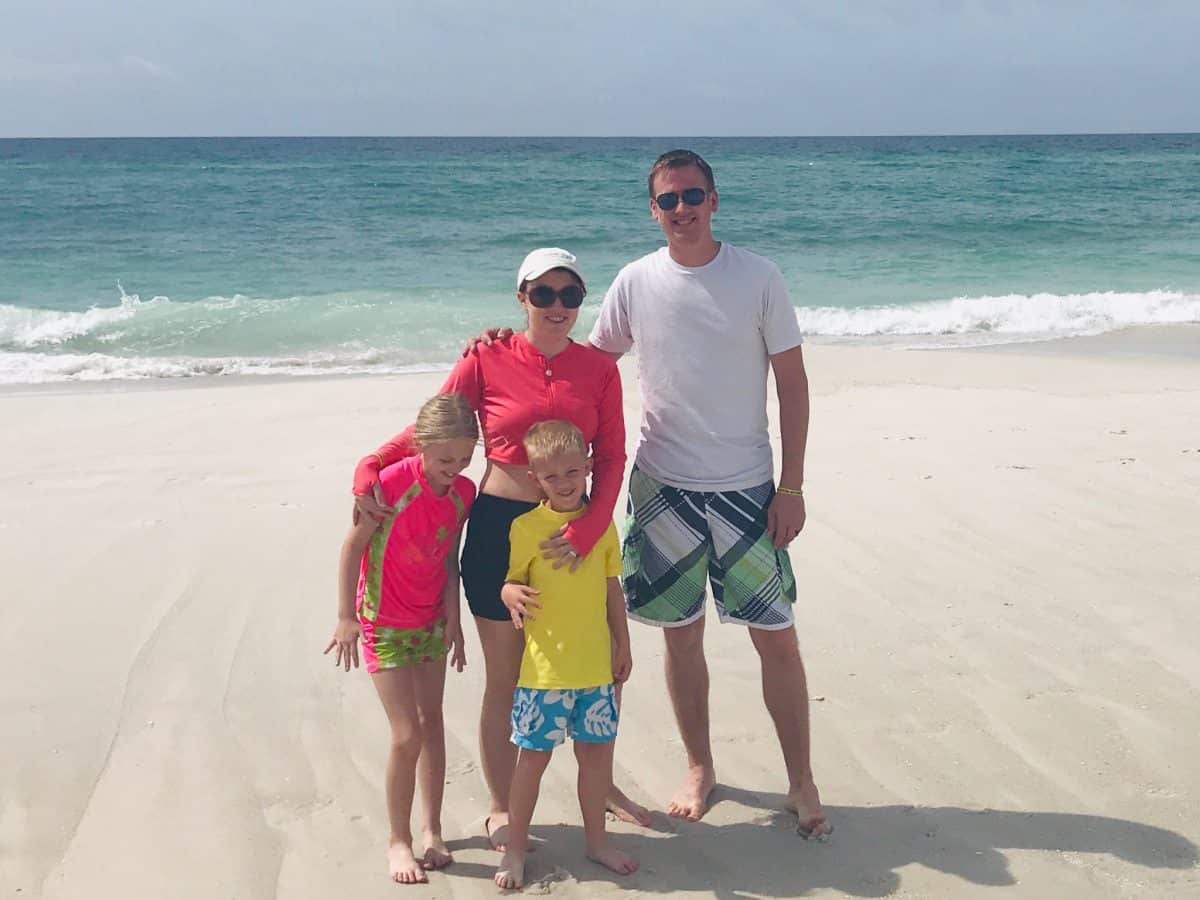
999 612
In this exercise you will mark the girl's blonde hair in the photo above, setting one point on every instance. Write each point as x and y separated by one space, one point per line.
446 417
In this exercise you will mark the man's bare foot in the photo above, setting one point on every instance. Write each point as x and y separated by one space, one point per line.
403 865
495 827
437 854
691 800
611 858
510 874
805 802
627 810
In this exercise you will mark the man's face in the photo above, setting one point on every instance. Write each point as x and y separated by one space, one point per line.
684 224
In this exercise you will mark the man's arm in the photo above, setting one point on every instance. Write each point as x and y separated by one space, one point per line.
615 357
786 515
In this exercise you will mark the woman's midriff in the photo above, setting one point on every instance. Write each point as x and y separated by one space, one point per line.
510 481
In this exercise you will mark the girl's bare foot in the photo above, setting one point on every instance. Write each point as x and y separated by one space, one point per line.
510 874
691 800
805 802
627 810
496 828
403 865
611 858
437 854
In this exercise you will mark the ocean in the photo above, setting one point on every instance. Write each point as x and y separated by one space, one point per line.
160 258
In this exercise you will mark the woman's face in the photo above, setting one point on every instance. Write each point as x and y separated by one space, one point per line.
555 320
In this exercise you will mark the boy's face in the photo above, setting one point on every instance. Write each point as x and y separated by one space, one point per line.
684 224
563 479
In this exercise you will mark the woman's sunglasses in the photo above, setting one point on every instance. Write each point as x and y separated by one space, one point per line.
541 296
692 197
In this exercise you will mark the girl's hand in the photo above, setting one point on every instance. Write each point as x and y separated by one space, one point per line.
345 638
458 649
622 663
559 549
518 600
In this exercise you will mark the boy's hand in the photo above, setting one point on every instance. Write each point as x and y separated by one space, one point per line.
345 638
458 649
518 600
559 549
622 663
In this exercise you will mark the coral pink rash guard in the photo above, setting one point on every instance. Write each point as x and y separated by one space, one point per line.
512 385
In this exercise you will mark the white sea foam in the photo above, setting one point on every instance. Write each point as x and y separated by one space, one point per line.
1006 318
30 328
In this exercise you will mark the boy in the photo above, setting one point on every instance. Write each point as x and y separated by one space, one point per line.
576 649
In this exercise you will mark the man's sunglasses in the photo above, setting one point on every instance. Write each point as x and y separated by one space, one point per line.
670 200
541 296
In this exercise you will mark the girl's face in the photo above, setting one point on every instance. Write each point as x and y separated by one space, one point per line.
444 461
553 321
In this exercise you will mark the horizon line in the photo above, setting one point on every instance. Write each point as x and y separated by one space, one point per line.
614 137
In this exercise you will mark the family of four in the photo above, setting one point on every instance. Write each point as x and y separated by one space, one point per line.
547 580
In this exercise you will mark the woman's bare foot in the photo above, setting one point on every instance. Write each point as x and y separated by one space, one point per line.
805 802
611 858
627 810
403 865
495 827
437 854
510 874
691 800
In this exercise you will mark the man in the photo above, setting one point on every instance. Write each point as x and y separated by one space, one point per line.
708 319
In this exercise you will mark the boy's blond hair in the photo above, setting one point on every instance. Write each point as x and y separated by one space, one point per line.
553 438
446 417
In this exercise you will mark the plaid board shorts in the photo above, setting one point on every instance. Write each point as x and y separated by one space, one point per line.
675 539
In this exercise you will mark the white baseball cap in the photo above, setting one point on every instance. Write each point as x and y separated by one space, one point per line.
542 260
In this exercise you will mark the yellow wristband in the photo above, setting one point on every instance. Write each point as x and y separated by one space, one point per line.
790 492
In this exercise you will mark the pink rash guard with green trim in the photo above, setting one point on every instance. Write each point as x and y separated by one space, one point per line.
404 569
512 385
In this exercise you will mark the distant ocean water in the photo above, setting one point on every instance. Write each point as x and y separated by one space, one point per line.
137 258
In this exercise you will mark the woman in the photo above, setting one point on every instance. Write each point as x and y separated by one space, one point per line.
535 375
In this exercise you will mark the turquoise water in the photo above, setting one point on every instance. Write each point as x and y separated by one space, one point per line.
149 258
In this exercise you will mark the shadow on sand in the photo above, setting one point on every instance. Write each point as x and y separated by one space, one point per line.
765 856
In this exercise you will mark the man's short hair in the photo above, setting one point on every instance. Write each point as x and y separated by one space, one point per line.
678 159
553 438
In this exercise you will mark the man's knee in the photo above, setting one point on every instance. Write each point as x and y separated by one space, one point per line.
776 647
686 641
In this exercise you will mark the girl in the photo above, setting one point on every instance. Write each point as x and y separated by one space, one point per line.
398 592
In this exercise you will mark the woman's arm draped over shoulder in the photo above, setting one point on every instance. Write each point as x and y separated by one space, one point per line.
466 379
608 468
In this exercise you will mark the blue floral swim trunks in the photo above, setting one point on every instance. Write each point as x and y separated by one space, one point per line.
543 719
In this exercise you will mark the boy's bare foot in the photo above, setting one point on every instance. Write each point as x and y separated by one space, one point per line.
627 810
691 800
437 854
403 865
495 827
805 802
510 874
611 858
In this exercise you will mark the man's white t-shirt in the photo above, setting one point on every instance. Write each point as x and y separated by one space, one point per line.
703 337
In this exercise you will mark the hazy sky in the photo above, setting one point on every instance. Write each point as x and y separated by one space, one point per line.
596 67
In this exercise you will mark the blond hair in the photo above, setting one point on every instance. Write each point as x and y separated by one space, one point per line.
555 437
446 417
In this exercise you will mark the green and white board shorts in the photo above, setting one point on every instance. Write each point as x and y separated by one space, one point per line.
675 539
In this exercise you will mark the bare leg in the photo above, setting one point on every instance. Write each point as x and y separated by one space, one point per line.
785 691
395 688
503 646
429 684
687 682
618 803
595 779
526 781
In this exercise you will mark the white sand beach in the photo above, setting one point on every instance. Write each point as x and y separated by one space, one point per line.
999 587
